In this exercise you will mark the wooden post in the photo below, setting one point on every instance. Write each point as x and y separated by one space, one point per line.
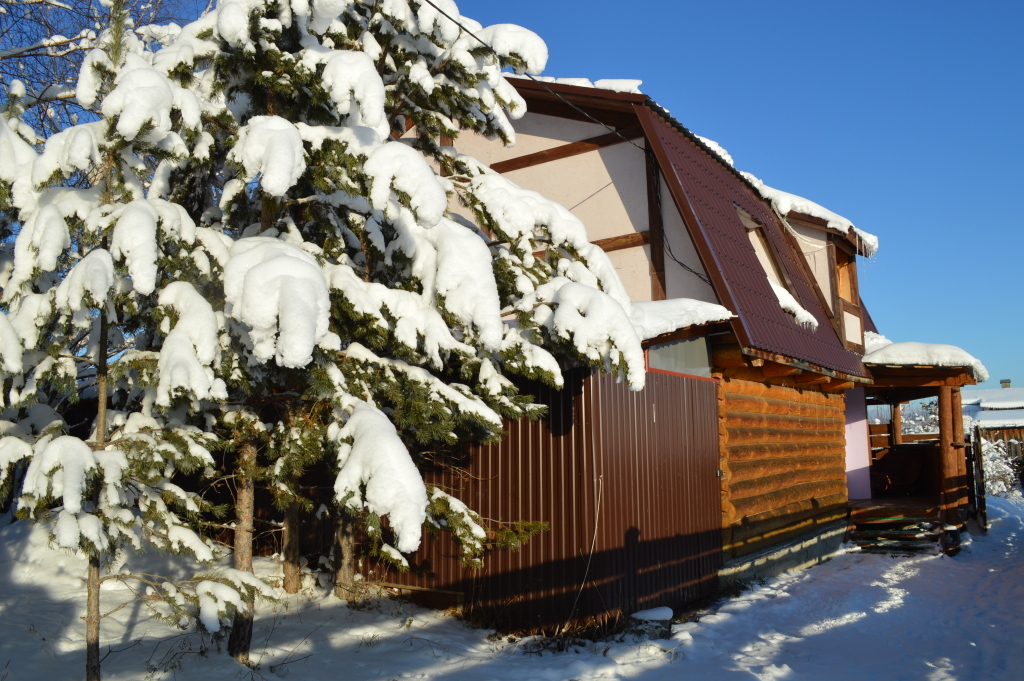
949 468
960 448
897 424
656 228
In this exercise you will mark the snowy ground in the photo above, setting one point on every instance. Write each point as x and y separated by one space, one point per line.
857 617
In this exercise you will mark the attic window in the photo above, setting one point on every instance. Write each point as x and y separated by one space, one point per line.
755 231
780 286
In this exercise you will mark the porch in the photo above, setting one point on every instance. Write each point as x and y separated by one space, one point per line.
925 490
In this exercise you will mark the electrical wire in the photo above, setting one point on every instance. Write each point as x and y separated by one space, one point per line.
592 195
664 236
668 246
539 82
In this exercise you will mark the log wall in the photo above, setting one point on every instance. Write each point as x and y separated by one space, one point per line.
783 460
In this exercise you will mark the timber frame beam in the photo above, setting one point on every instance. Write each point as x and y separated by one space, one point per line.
568 150
731 360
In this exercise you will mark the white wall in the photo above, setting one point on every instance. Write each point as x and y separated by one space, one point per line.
678 282
858 445
606 188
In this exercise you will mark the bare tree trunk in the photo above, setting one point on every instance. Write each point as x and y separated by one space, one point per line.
344 557
245 507
92 621
291 550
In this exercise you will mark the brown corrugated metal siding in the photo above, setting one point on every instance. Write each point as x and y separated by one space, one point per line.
712 192
783 463
628 482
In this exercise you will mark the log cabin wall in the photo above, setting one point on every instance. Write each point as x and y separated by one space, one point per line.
783 463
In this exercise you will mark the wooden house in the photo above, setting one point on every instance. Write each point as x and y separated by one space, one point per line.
740 458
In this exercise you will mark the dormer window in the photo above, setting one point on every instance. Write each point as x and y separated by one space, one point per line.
755 231
846 296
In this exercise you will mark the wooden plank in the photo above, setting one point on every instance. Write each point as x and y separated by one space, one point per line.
618 243
959 445
936 382
656 227
897 424
568 150
806 366
729 356
948 470
837 386
688 332
775 369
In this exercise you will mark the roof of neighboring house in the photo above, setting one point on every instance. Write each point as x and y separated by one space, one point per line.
994 398
1010 418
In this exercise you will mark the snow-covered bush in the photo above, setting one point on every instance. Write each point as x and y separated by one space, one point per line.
1003 466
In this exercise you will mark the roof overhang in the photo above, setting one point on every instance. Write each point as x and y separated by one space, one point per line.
849 237
894 384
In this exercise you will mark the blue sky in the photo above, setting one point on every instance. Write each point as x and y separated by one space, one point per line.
907 118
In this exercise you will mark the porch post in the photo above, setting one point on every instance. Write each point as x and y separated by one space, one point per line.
959 449
897 424
948 466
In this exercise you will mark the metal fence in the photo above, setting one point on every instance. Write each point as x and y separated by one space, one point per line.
629 485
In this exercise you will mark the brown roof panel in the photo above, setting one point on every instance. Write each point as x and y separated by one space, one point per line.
707 193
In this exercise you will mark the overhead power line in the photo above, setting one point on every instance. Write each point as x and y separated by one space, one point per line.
539 82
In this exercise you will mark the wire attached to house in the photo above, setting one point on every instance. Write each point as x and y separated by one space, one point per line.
539 82
664 235
593 545
592 195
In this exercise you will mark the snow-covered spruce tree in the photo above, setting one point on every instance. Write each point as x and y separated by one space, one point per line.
365 320
98 278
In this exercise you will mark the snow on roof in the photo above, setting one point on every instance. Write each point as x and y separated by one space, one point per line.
874 341
927 354
613 84
1009 418
655 317
785 203
718 149
994 398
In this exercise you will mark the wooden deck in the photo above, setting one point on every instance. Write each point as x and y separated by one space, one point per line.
911 524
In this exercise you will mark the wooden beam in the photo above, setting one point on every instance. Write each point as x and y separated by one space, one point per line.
810 378
656 227
836 386
776 369
715 328
728 356
618 243
615 243
806 366
708 259
897 424
959 446
907 382
568 150
948 466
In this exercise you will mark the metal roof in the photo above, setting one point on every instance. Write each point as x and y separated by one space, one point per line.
707 193
709 189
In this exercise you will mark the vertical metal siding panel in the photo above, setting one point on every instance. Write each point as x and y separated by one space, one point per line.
632 460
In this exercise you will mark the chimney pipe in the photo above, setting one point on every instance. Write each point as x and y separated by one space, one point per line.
1005 383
